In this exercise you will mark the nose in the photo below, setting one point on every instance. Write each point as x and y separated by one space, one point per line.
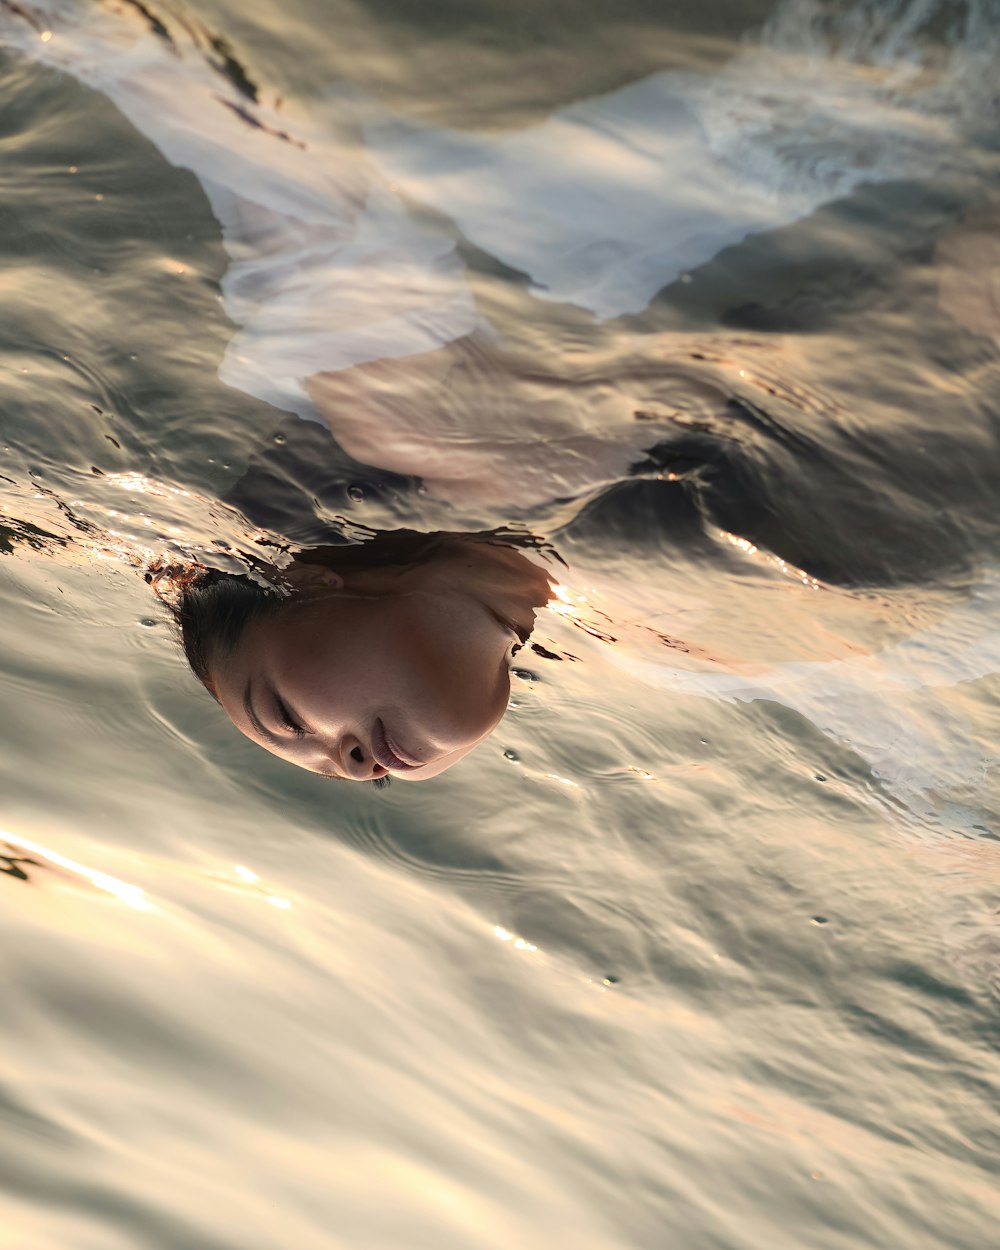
356 760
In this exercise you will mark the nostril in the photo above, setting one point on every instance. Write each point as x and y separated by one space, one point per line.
357 755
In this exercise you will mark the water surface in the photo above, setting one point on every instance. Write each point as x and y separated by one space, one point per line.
670 960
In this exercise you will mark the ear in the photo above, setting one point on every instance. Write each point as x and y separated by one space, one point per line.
312 577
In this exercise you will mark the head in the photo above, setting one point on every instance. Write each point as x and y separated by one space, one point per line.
356 672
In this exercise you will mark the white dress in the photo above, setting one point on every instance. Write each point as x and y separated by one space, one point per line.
601 205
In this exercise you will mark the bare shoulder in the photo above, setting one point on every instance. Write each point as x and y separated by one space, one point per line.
473 422
482 422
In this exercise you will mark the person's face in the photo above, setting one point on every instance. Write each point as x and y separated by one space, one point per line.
404 683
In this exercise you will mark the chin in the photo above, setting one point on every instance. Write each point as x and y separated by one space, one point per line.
439 766
436 768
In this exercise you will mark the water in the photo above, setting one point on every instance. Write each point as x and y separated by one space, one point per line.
686 954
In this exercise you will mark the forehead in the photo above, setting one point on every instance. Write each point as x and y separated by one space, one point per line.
264 629
300 641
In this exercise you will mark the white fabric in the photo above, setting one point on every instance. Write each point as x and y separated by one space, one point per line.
328 269
611 199
900 709
601 205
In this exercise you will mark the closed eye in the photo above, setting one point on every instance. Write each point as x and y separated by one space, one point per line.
279 712
286 719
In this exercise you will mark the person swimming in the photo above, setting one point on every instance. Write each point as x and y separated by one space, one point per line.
361 313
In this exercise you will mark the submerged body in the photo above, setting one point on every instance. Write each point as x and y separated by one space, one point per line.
359 310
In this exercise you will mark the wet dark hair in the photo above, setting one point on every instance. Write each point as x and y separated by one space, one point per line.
211 610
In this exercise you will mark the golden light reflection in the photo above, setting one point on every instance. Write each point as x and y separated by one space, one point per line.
562 599
139 484
251 878
518 943
131 895
790 570
744 544
571 605
562 781
566 598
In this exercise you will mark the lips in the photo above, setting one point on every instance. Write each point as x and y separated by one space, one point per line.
390 754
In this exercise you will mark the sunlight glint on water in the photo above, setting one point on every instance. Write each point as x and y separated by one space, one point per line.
700 948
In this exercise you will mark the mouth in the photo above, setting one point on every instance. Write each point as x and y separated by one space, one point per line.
387 752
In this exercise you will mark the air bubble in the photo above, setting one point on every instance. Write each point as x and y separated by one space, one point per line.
511 755
356 494
280 439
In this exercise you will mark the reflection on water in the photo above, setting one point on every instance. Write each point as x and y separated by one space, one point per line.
40 856
660 360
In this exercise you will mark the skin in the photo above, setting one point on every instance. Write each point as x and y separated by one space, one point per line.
486 425
416 659
427 650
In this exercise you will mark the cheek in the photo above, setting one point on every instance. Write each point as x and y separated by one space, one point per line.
449 684
416 639
447 707
322 672
476 707
362 665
